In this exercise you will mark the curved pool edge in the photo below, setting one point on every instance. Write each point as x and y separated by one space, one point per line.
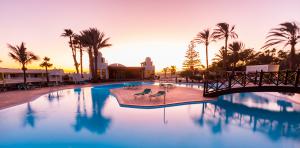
47 90
166 105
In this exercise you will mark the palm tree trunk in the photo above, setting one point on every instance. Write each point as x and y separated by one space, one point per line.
81 67
47 75
96 65
74 56
75 61
292 64
233 68
24 73
225 55
206 50
91 61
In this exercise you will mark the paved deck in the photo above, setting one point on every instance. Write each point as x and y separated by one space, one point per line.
175 95
16 97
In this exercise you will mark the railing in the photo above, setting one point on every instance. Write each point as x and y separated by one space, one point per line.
225 83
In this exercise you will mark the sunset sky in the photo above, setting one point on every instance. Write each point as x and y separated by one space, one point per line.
159 29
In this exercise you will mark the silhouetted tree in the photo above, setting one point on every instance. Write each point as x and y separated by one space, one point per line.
236 47
78 43
186 74
224 31
287 34
21 55
95 40
47 65
173 70
192 61
165 70
69 33
267 57
219 57
86 40
205 37
247 56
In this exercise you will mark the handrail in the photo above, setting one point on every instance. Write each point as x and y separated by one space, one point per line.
215 85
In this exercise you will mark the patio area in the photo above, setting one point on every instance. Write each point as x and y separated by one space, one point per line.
176 95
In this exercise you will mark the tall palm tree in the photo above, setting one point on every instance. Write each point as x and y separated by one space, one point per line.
96 40
69 33
165 70
100 42
21 55
47 65
78 41
288 34
86 40
205 37
173 70
236 47
224 31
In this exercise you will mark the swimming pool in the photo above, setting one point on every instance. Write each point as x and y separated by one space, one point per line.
92 117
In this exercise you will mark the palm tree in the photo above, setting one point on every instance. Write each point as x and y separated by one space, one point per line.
224 31
173 70
219 57
69 33
236 47
95 40
165 70
47 65
21 55
288 34
78 41
248 56
100 42
85 38
205 37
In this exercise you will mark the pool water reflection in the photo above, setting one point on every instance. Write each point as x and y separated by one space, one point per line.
92 116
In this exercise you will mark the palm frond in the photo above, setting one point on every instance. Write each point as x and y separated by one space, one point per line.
20 54
286 34
67 33
223 31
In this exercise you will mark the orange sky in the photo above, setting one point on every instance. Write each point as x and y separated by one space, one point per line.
138 28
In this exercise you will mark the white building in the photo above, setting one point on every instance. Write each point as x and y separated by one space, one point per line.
265 68
102 69
15 76
149 68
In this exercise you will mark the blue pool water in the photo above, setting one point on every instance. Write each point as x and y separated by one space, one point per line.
92 117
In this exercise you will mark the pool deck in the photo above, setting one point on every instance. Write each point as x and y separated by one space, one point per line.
176 95
17 97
